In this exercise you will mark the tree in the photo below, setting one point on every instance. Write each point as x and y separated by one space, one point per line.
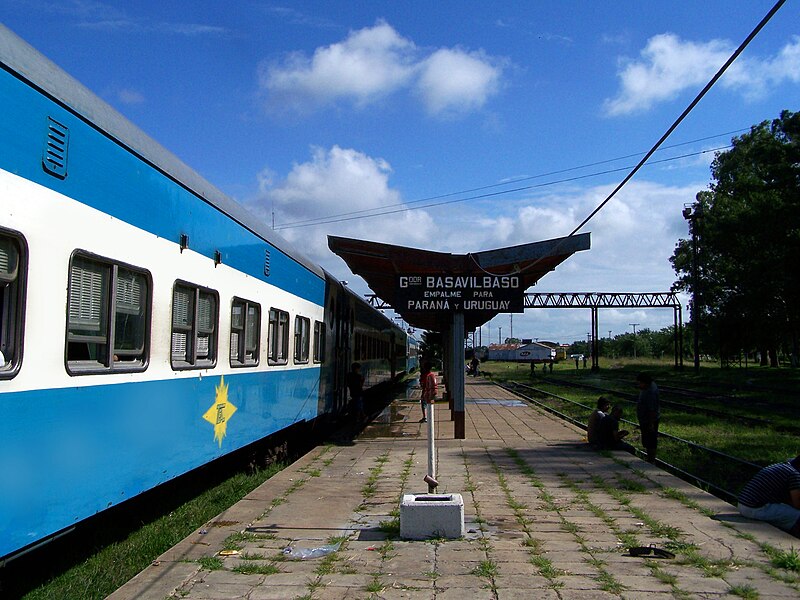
748 229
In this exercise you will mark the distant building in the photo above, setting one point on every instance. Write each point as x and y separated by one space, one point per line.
533 351
501 351
561 349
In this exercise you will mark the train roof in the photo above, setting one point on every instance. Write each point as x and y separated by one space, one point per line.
25 62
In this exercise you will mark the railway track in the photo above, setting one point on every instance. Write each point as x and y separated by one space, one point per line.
714 471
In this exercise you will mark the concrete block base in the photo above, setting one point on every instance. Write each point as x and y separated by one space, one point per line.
425 516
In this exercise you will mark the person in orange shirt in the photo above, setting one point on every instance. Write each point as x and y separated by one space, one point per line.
427 382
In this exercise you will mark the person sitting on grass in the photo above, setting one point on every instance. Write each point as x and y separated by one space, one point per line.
610 436
593 426
773 495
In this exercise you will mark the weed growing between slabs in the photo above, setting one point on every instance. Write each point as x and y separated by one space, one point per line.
487 567
376 586
256 563
784 566
538 560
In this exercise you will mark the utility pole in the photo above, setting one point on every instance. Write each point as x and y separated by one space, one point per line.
634 337
499 335
511 335
692 217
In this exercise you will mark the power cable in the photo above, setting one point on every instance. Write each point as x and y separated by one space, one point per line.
404 208
661 140
325 220
683 115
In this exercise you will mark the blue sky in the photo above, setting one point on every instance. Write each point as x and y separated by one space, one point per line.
308 109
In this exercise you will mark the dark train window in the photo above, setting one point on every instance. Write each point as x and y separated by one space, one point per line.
278 334
194 327
302 339
108 316
13 254
319 342
245 333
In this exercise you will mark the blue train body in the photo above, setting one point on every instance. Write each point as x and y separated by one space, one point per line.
149 325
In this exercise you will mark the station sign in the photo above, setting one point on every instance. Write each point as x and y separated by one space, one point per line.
460 293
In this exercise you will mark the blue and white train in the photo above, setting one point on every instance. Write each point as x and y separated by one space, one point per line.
148 324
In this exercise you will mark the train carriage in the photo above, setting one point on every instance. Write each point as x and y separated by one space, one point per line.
149 324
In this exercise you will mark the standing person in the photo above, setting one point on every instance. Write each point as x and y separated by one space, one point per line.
592 427
427 381
355 383
773 495
648 413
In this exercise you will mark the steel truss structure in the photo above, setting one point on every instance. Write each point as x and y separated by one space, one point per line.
595 301
598 300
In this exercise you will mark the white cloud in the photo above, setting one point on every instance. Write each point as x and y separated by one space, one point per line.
632 237
632 240
368 64
336 181
454 81
374 62
669 66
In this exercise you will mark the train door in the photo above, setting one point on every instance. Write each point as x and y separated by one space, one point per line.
342 336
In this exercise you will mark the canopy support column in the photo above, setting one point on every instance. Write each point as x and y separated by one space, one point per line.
456 379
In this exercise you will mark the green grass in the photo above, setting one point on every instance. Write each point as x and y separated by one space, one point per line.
789 560
211 563
253 568
608 583
115 564
546 568
375 586
761 445
486 568
744 591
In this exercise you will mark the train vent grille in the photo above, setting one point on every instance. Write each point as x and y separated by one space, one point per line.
266 263
54 153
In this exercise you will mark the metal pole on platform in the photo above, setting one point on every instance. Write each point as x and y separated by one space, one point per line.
431 448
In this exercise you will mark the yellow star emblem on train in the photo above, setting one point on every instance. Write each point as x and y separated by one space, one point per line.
220 412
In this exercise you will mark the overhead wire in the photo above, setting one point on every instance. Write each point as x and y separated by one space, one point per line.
503 192
662 139
684 114
378 210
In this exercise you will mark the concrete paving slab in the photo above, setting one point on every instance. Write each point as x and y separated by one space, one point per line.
519 472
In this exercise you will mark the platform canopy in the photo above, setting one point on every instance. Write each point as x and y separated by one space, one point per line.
382 265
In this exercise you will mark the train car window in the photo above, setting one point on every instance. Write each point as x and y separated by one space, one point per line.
319 341
278 337
302 339
245 333
13 260
194 327
108 316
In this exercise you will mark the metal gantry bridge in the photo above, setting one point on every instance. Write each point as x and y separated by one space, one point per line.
595 301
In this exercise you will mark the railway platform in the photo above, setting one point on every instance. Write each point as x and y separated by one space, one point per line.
546 518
